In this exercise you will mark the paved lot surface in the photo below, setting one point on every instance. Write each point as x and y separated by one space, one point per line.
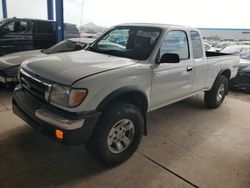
187 146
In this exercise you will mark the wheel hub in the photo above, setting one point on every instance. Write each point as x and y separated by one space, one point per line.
120 136
220 93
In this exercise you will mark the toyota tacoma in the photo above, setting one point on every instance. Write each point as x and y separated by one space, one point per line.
101 96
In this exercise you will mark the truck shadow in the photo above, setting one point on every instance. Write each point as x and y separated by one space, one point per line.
182 127
27 158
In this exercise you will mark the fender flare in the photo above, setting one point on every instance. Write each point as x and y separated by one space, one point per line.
219 75
122 91
118 92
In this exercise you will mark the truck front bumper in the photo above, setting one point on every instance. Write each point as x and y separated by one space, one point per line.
8 75
75 128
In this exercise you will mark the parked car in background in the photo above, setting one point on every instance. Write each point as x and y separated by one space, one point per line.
18 34
242 80
234 49
101 96
243 51
244 42
208 47
10 63
71 31
221 45
89 35
106 44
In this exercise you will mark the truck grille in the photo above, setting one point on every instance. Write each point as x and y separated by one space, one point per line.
34 84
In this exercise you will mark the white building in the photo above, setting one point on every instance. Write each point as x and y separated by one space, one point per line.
225 34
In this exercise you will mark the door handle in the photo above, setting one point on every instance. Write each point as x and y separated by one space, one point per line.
189 68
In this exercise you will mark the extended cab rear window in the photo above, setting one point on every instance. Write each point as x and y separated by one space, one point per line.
197 45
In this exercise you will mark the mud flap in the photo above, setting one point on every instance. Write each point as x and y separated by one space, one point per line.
145 131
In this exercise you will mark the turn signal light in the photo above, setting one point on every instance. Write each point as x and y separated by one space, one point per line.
59 134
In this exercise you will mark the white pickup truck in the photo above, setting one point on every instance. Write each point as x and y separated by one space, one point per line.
101 96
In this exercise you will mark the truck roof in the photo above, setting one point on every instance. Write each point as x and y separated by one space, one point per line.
155 25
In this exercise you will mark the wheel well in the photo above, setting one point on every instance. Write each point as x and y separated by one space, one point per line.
226 73
130 95
134 97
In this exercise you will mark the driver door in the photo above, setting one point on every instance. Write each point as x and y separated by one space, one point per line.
172 80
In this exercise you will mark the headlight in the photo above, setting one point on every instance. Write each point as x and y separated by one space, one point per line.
59 94
67 96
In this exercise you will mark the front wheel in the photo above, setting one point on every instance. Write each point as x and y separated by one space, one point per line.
117 135
214 97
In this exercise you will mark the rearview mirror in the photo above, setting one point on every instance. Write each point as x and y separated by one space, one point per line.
170 58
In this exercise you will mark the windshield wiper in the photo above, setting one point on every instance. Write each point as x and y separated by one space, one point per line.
114 53
108 52
45 52
92 49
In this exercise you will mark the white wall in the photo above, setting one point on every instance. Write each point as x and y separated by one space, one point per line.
236 34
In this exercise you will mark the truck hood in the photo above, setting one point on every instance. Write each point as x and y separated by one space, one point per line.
15 59
66 68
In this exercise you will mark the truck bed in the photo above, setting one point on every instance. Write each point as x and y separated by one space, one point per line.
218 61
212 54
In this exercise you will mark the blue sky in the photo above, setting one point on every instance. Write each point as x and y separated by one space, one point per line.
196 13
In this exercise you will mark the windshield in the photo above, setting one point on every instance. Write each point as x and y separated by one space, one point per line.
65 46
128 41
2 22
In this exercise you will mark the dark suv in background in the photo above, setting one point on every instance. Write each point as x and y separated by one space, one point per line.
18 34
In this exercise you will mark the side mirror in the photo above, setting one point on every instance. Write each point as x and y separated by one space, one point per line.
170 58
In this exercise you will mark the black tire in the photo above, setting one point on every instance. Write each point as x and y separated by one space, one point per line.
1 86
98 146
210 98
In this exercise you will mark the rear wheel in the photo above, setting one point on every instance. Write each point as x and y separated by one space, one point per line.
215 97
117 134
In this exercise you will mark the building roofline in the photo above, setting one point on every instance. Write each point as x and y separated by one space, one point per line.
224 29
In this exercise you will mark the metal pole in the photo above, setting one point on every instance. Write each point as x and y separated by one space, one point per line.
4 7
82 13
50 9
59 20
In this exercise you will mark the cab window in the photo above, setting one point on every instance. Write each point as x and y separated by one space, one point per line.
197 45
45 27
175 42
18 27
